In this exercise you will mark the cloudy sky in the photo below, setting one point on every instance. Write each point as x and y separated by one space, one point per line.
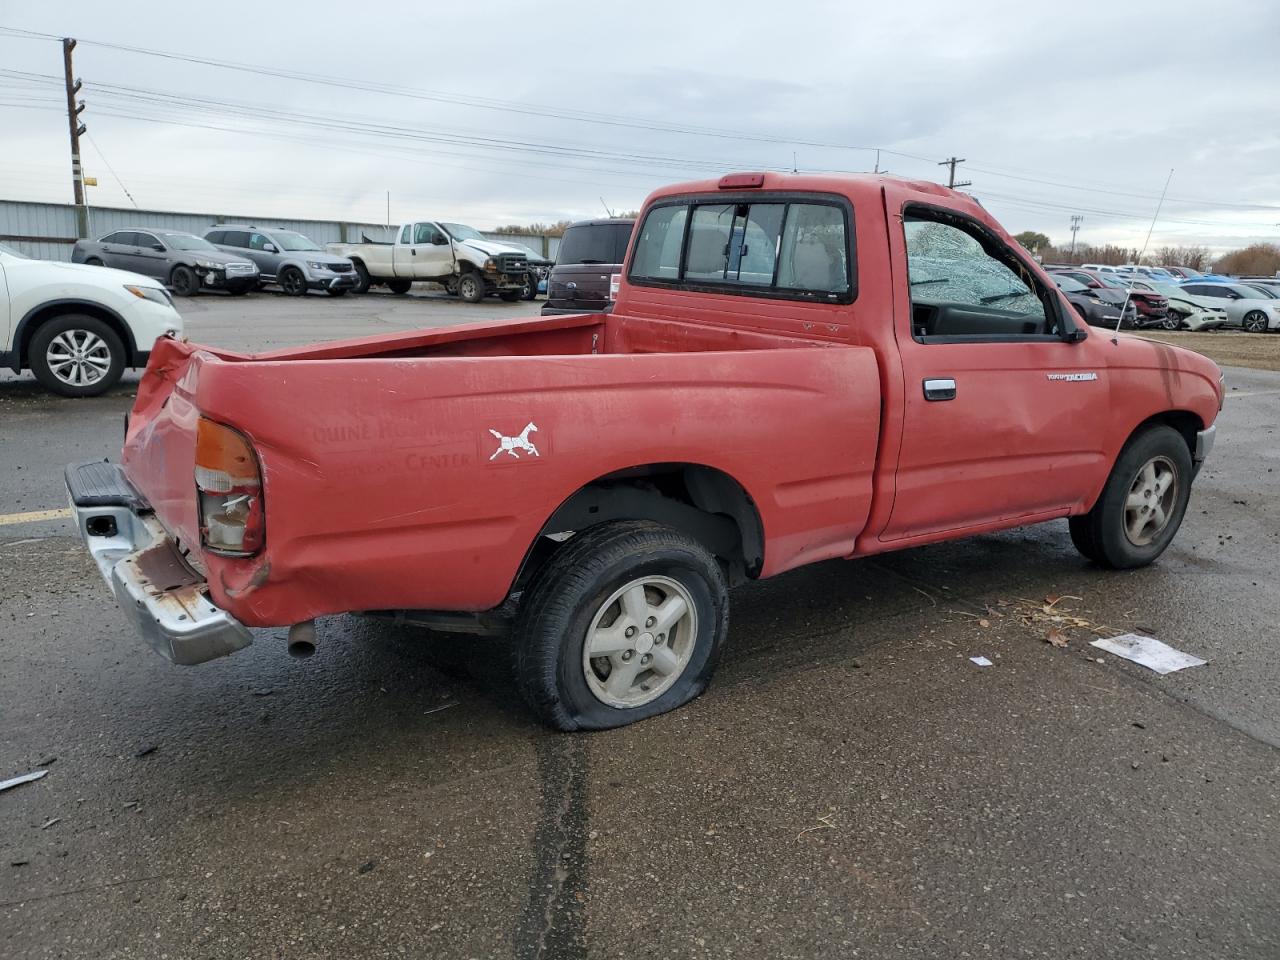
501 112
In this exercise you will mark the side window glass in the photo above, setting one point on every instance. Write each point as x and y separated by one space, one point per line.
406 233
257 241
424 232
143 239
216 236
112 238
813 254
657 254
961 287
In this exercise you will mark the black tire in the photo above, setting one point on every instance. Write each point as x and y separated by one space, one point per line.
1170 322
337 291
184 281
362 278
399 286
293 282
94 262
240 291
530 289
72 324
1101 534
560 604
1255 321
471 287
510 296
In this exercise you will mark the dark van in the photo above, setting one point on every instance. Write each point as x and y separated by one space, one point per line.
590 253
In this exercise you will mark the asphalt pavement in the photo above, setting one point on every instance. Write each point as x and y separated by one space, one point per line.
852 785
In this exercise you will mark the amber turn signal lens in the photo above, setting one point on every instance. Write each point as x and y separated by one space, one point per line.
224 459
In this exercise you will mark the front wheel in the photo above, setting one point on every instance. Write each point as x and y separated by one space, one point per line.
337 291
184 281
530 289
1142 504
627 620
1170 322
1255 321
293 282
76 356
471 287
399 286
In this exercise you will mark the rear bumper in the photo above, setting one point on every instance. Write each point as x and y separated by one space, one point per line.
165 600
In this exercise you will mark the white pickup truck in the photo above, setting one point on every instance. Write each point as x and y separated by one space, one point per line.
457 256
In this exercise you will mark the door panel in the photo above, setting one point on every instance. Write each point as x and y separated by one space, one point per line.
1012 442
147 261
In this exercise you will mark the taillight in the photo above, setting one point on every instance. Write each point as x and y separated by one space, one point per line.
615 284
229 484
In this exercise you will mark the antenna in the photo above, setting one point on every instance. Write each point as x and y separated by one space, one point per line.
1128 290
794 167
606 208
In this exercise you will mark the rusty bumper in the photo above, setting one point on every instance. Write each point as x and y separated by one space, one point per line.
164 598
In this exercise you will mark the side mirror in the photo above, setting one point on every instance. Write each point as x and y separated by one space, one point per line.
269 247
159 247
1093 285
439 241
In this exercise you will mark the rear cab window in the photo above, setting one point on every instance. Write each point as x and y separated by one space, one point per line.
592 243
797 247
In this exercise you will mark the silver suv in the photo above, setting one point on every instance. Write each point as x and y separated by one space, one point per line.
287 258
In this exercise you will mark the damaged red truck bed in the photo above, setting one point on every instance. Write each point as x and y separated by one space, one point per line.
796 369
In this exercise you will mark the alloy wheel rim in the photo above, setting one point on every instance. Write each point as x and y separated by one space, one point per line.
640 642
1149 505
78 358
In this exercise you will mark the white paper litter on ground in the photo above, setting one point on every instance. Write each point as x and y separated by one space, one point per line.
981 661
1149 652
25 778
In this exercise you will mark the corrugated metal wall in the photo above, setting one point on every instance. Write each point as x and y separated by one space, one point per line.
48 230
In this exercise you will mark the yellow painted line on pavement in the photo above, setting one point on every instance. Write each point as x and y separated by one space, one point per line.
35 516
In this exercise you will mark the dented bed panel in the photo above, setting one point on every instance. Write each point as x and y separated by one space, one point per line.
420 482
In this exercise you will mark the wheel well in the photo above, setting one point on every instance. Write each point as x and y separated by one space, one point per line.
51 311
1186 423
701 501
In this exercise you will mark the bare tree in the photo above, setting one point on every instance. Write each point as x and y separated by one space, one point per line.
1260 259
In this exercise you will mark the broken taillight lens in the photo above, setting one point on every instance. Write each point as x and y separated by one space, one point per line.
229 485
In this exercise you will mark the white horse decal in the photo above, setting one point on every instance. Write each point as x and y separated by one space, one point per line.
512 444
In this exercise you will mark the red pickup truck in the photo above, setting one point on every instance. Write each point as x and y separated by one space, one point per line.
796 368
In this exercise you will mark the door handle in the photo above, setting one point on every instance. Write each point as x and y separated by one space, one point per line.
940 389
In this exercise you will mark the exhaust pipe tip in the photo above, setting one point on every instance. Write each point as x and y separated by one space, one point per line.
302 640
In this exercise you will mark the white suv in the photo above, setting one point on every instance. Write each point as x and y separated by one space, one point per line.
77 327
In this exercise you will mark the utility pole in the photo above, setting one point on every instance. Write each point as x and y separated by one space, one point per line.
951 176
75 127
1076 220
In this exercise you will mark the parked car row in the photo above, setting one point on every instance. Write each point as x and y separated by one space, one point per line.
239 257
1169 297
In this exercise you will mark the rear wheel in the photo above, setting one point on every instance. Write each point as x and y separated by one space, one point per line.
1255 321
76 355
399 286
94 262
337 291
1142 504
362 278
471 287
293 282
626 621
184 281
